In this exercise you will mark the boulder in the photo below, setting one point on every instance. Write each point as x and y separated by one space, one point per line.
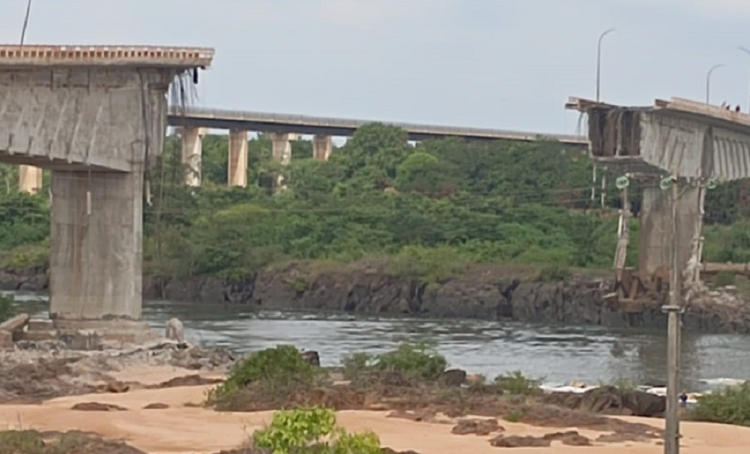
454 377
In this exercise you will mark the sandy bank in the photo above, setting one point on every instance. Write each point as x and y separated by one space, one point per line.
184 429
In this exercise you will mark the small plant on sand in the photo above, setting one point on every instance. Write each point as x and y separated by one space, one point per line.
515 415
279 370
410 360
301 432
731 405
517 384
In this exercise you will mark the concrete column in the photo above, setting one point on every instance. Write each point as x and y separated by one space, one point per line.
322 147
282 153
237 166
95 245
654 237
282 147
29 179
192 152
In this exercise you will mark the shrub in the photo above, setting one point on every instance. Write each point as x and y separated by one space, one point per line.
279 370
415 360
731 405
357 363
6 307
516 384
724 279
410 360
554 273
300 431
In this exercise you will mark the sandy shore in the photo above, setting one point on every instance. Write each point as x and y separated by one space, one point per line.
185 429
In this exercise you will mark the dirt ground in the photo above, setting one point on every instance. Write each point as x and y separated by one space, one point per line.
151 401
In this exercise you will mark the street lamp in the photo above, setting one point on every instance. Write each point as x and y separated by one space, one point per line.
708 82
599 61
747 51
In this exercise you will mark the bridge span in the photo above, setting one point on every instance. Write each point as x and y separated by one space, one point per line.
284 128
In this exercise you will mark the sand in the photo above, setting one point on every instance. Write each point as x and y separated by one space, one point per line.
186 429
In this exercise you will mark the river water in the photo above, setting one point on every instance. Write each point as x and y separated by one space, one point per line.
556 354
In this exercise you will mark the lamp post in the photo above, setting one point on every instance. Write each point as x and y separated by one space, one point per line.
747 51
599 61
708 81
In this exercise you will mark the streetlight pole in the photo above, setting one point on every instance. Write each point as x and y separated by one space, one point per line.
599 62
598 93
708 81
747 51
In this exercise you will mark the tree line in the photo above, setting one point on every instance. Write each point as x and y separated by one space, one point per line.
448 201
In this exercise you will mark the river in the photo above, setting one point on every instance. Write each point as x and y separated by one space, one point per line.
556 354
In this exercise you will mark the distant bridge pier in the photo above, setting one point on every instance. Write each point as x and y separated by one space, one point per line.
192 155
322 147
96 117
237 165
281 150
29 179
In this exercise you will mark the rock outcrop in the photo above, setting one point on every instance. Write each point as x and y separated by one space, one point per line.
480 293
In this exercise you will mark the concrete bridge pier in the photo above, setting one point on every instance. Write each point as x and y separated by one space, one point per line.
96 117
655 237
29 179
281 150
192 154
237 165
322 147
95 245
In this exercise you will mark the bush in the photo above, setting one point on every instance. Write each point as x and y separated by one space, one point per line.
724 279
6 307
516 384
554 273
731 405
409 360
300 432
279 370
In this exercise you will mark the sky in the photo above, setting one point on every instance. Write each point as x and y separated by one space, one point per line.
475 63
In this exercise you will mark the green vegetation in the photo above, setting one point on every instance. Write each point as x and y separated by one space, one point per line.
278 371
731 405
415 361
33 442
303 431
6 307
429 210
517 384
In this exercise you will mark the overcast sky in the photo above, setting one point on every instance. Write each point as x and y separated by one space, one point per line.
482 63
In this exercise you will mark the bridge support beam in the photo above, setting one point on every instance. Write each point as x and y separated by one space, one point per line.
281 147
95 245
237 165
192 154
29 179
322 147
654 238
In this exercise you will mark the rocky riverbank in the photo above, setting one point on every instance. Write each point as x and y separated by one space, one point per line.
480 293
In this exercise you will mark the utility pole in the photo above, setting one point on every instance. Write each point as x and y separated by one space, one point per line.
673 309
